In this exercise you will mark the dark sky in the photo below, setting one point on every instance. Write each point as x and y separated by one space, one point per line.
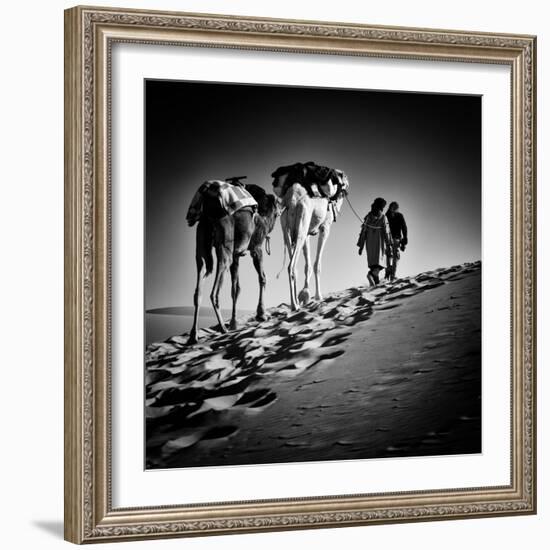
422 150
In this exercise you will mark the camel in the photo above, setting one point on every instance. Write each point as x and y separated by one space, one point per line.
303 216
231 236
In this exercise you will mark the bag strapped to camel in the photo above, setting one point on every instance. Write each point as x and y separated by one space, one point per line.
230 198
311 176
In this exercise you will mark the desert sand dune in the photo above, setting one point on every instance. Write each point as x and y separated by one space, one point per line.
383 372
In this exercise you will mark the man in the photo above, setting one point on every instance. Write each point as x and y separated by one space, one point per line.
375 238
398 230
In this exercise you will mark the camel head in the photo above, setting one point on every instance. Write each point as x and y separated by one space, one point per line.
272 210
343 189
343 181
268 205
279 183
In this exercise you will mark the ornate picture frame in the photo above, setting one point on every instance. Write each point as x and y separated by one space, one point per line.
89 36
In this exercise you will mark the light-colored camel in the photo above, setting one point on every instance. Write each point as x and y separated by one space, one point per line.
302 217
231 236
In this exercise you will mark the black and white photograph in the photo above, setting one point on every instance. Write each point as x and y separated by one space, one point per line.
284 263
312 274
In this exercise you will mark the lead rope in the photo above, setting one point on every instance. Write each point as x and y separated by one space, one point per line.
353 209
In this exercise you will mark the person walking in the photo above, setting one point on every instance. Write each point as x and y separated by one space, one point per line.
400 239
375 238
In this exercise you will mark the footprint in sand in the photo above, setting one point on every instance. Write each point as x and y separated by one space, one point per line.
390 380
223 402
430 345
202 435
190 389
220 432
307 384
336 339
182 442
252 396
296 444
264 402
385 307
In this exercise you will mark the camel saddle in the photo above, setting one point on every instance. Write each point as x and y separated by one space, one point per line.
229 197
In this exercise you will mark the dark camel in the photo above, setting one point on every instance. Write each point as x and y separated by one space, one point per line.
231 236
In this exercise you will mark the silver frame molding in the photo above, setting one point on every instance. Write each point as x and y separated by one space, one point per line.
89 35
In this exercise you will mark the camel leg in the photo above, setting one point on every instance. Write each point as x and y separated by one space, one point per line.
324 231
298 228
258 260
285 226
292 270
203 260
304 297
235 290
223 256
244 226
197 298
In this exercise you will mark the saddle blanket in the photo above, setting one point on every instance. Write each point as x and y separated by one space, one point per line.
232 198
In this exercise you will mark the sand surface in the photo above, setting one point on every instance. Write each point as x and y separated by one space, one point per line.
384 372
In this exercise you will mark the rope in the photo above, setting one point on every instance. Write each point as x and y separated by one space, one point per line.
353 210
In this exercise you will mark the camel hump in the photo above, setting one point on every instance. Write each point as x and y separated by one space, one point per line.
295 171
285 177
319 174
230 198
317 180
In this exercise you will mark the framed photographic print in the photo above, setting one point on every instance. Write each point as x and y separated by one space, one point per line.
300 274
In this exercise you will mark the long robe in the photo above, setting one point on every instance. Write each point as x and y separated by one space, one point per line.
376 238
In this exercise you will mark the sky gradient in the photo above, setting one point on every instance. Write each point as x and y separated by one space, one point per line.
422 150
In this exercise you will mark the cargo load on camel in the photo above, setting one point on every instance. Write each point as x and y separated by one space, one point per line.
319 181
227 196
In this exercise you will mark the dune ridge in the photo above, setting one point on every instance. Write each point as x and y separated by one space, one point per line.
200 398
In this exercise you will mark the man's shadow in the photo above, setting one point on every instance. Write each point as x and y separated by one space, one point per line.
53 527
